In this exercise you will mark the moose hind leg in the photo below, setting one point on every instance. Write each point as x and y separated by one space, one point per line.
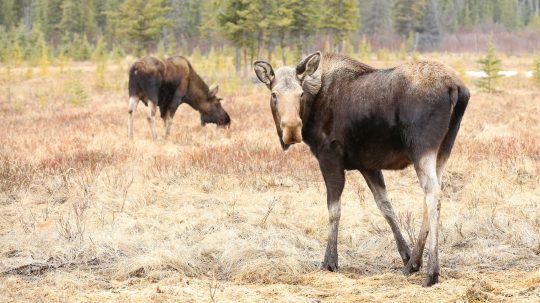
152 108
375 181
426 169
442 158
415 262
132 106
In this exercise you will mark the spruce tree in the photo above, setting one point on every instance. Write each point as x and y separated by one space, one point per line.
185 16
235 26
307 20
491 65
8 17
54 20
430 33
377 18
407 15
339 18
140 23
70 23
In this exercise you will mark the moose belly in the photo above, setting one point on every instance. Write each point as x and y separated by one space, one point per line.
375 146
377 159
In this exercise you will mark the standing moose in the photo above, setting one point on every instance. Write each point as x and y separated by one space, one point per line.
353 116
167 84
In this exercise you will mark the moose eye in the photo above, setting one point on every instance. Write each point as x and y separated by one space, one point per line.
302 95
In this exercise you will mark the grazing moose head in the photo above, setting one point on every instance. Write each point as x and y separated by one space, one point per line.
290 95
211 110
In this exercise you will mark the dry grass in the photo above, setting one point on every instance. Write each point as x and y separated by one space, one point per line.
216 215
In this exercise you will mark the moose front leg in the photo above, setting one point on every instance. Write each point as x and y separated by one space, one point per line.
334 177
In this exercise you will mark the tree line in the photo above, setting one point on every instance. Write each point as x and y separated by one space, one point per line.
73 28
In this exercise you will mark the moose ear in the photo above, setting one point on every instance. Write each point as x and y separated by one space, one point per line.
308 66
213 90
264 72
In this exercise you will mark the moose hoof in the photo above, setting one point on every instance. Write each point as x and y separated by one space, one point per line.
410 268
405 258
330 266
430 280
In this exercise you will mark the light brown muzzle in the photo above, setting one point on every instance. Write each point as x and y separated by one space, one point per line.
292 131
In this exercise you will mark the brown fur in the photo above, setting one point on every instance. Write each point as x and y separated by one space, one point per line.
171 82
357 117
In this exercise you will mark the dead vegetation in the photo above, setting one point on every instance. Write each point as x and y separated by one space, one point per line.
225 216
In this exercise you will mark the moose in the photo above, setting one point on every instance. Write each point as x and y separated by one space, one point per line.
167 84
355 117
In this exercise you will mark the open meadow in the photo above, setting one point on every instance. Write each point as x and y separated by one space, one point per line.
224 215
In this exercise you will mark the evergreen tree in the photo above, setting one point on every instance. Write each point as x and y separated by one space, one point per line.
8 16
235 26
262 24
16 50
110 28
339 18
306 21
407 14
448 11
491 65
37 46
377 18
141 23
88 23
39 14
69 24
209 25
186 18
430 34
52 28
281 19
505 12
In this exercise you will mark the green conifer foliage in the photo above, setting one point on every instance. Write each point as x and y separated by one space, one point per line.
491 65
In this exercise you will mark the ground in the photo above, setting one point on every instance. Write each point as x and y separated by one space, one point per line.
223 215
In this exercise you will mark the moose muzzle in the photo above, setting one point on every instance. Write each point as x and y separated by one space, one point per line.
292 131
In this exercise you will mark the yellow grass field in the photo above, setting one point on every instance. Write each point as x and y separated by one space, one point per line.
223 215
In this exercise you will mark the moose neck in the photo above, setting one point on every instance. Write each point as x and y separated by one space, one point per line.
197 91
309 109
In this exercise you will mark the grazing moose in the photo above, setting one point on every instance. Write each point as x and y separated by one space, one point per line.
354 116
167 84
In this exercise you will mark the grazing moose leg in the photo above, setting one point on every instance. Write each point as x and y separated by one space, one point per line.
168 122
426 169
152 119
375 181
133 101
334 178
